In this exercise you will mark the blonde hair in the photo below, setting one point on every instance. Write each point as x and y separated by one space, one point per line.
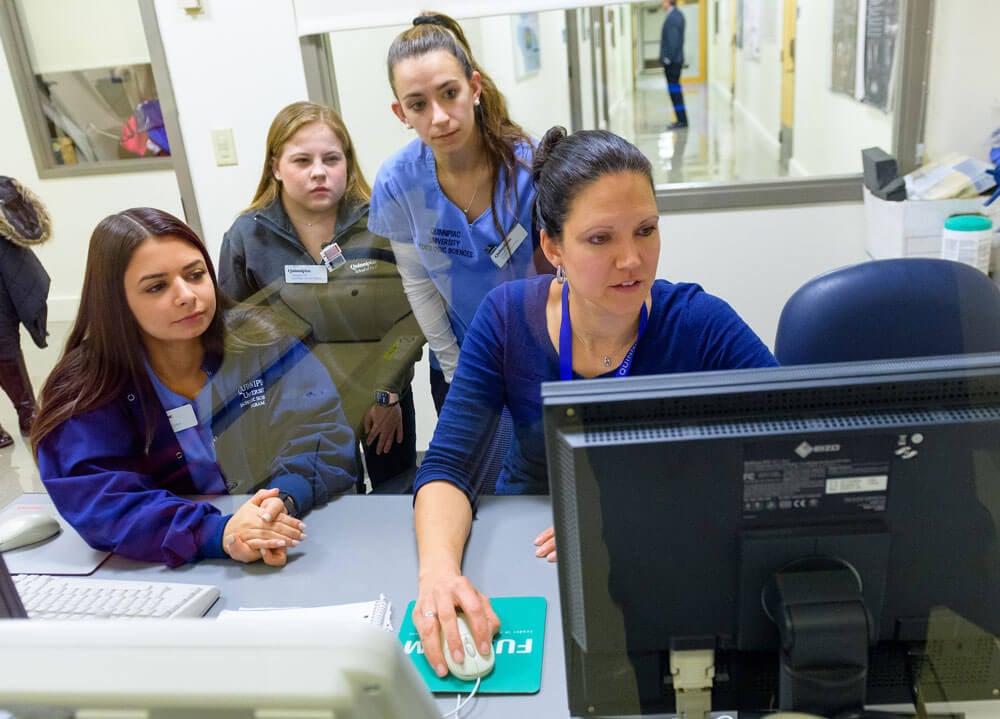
286 123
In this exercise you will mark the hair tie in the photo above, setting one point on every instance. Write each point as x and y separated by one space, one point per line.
428 20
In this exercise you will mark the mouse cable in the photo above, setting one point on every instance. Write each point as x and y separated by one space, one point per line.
462 702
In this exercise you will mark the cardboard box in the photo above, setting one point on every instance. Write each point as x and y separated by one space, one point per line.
913 228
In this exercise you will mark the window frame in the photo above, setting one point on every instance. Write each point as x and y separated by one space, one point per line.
22 75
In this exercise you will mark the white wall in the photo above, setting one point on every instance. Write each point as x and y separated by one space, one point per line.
964 88
60 35
75 204
758 81
365 95
233 66
831 128
756 259
537 101
620 58
720 45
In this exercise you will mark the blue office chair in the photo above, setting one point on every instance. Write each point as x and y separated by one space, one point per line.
904 307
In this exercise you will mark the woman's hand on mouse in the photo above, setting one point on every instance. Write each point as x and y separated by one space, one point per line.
439 600
546 544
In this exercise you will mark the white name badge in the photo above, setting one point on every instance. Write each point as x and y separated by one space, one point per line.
305 274
501 254
182 417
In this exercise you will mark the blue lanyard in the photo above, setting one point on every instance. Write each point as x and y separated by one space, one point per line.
566 341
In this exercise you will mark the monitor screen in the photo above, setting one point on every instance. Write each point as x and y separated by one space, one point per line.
828 532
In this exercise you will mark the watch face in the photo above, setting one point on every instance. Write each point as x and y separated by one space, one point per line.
381 397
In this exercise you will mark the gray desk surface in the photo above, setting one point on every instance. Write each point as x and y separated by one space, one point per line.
358 546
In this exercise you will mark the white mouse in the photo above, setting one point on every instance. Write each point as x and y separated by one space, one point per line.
27 528
475 665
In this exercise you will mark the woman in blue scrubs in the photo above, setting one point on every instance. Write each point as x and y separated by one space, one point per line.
456 201
161 394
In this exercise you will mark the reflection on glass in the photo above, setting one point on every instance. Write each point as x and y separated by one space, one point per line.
762 83
109 113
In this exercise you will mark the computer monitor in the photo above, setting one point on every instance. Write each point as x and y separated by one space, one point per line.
828 533
10 601
175 668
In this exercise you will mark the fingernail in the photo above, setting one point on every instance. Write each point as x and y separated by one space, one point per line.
229 540
484 649
303 536
457 656
265 516
281 542
302 526
440 670
539 552
293 542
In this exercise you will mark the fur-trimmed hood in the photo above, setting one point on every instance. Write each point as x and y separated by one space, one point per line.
24 220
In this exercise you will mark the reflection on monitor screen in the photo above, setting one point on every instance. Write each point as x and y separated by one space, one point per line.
828 534
203 668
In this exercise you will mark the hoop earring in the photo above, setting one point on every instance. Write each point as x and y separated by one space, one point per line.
560 275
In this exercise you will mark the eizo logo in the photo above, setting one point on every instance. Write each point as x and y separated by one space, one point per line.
805 449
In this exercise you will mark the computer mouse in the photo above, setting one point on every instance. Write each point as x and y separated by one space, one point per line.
27 528
475 665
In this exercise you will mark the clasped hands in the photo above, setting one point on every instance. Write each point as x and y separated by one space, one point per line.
262 529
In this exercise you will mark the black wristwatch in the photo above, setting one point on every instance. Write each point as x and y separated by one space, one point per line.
386 398
290 505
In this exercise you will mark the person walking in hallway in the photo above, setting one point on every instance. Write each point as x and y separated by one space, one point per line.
672 58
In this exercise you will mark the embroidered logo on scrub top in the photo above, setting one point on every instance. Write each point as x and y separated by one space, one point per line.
447 241
252 394
362 266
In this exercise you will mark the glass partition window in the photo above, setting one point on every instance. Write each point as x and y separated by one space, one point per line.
88 106
775 91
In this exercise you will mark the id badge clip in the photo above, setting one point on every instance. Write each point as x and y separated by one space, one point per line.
332 257
502 252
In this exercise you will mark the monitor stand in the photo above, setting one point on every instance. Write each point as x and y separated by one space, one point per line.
825 630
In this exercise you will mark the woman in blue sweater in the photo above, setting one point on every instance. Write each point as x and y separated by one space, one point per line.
161 394
604 315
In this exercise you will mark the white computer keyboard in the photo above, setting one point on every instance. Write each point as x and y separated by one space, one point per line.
58 597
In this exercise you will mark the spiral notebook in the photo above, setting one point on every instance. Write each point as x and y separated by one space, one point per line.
377 612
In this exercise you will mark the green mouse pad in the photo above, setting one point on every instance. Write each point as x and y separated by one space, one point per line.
517 668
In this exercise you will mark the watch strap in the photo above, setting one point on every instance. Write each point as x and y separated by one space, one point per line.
290 505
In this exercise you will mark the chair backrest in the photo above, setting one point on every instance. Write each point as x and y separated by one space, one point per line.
901 307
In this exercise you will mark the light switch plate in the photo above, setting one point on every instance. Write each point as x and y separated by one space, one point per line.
224 147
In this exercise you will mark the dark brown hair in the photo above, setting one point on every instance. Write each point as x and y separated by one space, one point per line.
104 354
434 31
566 164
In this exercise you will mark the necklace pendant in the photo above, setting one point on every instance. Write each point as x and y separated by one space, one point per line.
607 361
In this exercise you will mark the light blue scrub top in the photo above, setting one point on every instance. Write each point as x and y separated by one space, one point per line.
196 442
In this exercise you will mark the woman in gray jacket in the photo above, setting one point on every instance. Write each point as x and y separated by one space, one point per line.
303 246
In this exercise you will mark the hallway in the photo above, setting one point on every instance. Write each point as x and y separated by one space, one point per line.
719 145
